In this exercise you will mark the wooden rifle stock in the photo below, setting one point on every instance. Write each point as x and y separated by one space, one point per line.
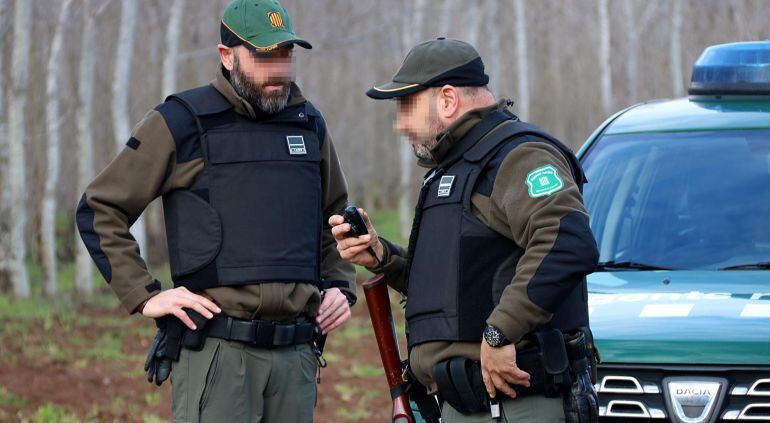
378 302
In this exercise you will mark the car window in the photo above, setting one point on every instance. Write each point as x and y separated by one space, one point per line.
689 200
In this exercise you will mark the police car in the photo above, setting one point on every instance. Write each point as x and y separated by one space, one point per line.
679 197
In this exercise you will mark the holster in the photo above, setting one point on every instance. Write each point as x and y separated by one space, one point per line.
552 363
418 393
178 335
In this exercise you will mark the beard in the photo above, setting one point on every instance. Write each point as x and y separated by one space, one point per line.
423 145
269 102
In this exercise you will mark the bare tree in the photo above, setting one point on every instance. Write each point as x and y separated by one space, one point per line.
171 58
445 21
522 61
17 159
5 194
84 279
53 159
494 35
120 96
409 37
635 26
675 49
474 18
604 56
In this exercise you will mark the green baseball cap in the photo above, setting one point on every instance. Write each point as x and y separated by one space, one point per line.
260 25
434 63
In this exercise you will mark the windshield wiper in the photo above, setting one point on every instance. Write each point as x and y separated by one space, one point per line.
628 265
762 265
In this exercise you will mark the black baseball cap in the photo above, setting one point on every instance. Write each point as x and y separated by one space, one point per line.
434 63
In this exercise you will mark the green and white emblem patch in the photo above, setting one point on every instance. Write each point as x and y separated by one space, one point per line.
543 181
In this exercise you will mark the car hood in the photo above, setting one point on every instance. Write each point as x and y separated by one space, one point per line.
681 317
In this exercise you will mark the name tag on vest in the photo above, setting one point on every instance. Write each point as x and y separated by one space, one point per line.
445 185
296 145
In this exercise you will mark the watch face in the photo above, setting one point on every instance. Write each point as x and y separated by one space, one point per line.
493 336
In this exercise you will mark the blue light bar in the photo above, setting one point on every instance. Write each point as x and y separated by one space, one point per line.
733 69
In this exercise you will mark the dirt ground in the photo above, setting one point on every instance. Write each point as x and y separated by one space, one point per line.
85 364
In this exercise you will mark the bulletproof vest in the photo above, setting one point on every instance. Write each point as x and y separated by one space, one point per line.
458 265
254 214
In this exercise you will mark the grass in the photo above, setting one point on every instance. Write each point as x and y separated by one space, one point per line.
56 331
52 413
8 399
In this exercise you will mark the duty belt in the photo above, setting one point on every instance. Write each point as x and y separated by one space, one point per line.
261 333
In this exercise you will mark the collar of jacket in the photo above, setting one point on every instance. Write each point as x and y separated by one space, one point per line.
295 110
450 140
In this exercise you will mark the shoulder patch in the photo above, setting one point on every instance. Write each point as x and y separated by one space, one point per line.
543 181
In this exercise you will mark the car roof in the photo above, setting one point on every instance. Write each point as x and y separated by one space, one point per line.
706 113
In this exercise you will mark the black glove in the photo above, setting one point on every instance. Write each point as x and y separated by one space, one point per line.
157 365
581 404
172 335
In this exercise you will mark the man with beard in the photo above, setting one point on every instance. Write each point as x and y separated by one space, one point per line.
494 274
249 176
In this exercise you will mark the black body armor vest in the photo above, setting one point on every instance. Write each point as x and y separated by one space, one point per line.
459 267
254 214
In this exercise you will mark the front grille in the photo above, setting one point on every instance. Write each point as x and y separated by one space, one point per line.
638 393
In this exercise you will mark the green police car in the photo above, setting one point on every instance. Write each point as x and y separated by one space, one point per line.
679 197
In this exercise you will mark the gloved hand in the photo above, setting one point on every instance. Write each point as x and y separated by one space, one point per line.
581 404
157 365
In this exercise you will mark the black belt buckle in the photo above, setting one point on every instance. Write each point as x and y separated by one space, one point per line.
264 334
284 334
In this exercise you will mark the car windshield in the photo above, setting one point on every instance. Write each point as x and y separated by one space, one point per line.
687 200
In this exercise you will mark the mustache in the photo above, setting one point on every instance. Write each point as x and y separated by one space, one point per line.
276 80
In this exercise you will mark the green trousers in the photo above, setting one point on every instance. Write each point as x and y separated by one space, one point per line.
232 382
536 408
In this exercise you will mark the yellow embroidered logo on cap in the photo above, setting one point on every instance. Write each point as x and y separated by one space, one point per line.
275 19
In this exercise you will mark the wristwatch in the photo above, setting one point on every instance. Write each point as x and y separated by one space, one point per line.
494 337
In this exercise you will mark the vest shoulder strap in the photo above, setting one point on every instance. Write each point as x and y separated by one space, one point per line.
202 101
505 131
515 129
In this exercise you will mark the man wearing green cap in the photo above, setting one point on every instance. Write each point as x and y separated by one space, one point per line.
249 176
494 274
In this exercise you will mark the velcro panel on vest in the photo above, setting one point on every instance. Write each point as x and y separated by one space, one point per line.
202 101
194 232
267 191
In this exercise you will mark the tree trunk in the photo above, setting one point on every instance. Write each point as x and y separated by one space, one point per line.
410 36
604 57
632 50
53 159
84 279
522 61
445 22
17 160
120 96
675 50
493 61
171 59
5 194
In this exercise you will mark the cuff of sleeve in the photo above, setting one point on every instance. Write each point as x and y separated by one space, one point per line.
513 328
350 295
388 252
138 295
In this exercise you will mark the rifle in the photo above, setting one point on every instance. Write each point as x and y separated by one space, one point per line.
378 302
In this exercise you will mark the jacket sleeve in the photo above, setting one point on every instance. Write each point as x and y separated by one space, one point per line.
547 219
335 197
393 265
144 169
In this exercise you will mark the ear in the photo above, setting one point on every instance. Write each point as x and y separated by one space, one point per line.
227 55
448 102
